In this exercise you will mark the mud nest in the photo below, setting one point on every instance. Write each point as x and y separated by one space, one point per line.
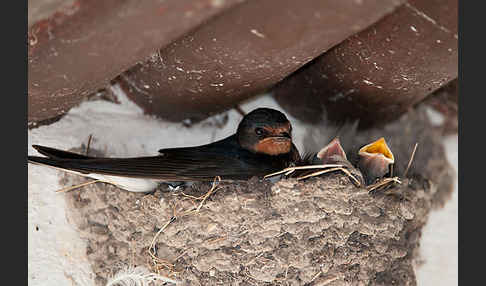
321 231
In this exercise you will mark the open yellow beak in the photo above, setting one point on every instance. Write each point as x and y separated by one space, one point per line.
379 147
375 159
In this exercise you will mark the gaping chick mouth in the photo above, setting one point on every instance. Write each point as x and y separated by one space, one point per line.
378 147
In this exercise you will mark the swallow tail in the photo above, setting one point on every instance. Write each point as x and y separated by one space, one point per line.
58 154
107 170
139 167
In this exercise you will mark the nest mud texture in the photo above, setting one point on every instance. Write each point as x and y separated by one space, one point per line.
321 231
290 233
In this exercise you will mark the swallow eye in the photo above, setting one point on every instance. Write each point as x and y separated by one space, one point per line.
259 131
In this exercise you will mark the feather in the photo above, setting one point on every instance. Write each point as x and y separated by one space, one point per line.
136 276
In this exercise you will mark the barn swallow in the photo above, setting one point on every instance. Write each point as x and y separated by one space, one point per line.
375 160
334 154
262 144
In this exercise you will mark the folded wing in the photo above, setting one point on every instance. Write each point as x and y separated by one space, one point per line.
202 163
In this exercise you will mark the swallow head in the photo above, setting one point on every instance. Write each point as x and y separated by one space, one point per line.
266 131
375 158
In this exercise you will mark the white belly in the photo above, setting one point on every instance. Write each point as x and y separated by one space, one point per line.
136 185
130 184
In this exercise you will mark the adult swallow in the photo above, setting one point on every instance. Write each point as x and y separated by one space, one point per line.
375 159
262 144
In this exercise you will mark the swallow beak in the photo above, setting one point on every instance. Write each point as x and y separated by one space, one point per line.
332 153
375 159
284 135
280 135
